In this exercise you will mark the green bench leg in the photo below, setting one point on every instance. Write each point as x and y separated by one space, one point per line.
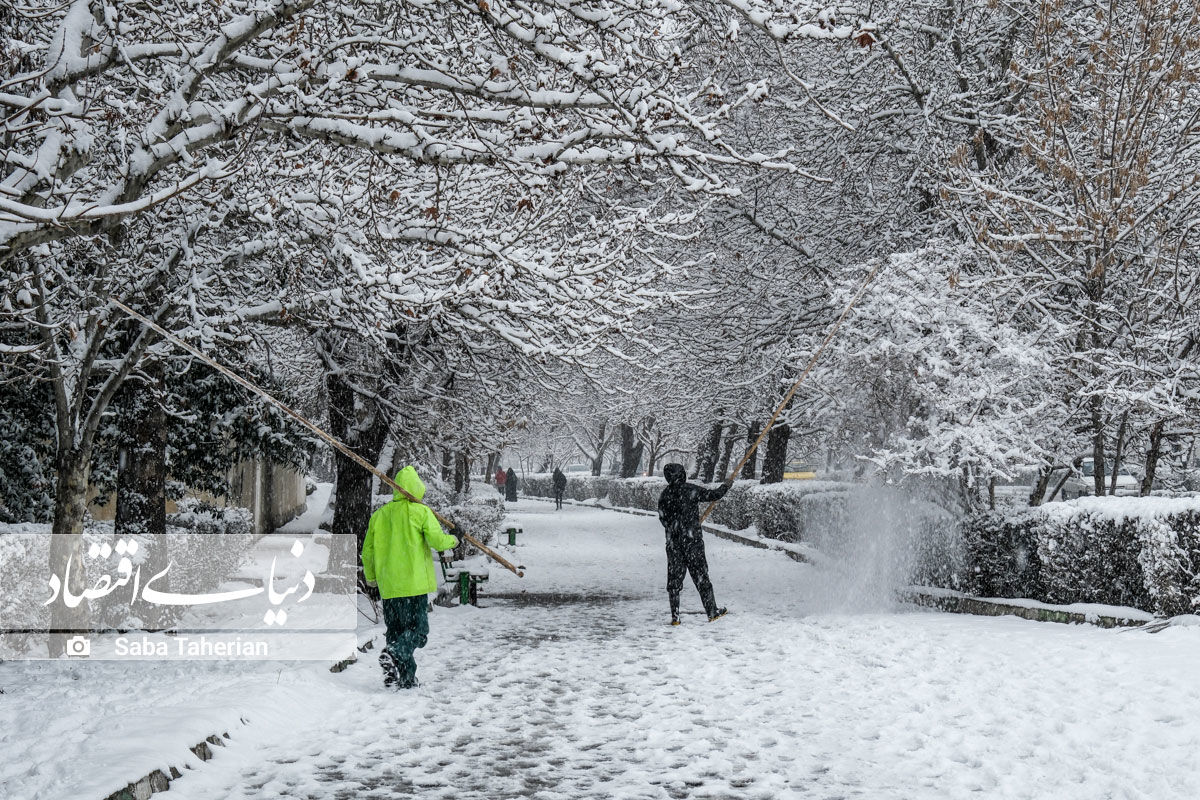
512 536
464 588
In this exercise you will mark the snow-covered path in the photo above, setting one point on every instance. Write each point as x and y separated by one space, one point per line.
579 689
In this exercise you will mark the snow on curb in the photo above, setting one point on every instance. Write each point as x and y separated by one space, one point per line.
1075 613
159 781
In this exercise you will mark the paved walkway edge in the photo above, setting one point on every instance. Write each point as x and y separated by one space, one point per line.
993 607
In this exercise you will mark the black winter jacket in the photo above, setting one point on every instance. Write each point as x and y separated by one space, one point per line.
678 505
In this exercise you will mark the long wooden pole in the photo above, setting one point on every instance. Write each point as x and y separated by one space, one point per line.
792 392
327 437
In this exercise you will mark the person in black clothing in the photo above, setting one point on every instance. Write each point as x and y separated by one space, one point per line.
510 486
560 486
678 510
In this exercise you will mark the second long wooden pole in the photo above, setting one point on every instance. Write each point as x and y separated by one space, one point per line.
787 398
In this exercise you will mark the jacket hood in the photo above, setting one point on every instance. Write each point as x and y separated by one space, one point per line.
675 473
411 483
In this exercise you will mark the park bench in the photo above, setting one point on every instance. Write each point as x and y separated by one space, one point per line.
512 535
465 578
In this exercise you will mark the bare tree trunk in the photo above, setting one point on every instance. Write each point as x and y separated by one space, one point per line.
1098 470
352 507
1058 486
142 479
708 455
751 465
631 451
1118 453
460 473
489 471
598 460
1040 485
726 454
66 547
776 457
1152 456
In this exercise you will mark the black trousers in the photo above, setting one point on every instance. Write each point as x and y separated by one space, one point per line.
558 498
685 553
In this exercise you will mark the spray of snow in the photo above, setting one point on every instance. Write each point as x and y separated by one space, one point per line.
888 538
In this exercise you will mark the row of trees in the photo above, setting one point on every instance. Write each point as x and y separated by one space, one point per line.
1023 177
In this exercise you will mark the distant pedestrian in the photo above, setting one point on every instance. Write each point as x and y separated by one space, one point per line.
510 486
680 515
501 477
560 486
396 558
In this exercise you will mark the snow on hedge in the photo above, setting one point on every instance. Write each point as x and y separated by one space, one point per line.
1131 551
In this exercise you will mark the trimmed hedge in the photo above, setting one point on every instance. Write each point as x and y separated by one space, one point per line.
579 487
1141 552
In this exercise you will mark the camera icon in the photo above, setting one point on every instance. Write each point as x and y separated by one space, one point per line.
79 647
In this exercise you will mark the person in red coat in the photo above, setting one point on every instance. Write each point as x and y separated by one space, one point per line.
501 479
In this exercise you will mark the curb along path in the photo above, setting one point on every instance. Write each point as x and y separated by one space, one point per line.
160 781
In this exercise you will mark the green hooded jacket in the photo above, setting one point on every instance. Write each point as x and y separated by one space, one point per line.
396 554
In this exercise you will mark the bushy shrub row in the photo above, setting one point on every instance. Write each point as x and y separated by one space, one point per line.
579 487
1141 552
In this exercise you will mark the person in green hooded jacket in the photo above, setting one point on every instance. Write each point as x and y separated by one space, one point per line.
396 558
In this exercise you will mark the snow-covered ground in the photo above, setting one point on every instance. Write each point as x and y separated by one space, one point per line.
570 684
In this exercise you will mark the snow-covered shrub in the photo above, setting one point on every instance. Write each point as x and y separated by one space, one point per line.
24 559
540 485
585 487
1170 561
1001 555
777 516
797 511
636 492
1141 552
736 509
1089 557
479 517
579 487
